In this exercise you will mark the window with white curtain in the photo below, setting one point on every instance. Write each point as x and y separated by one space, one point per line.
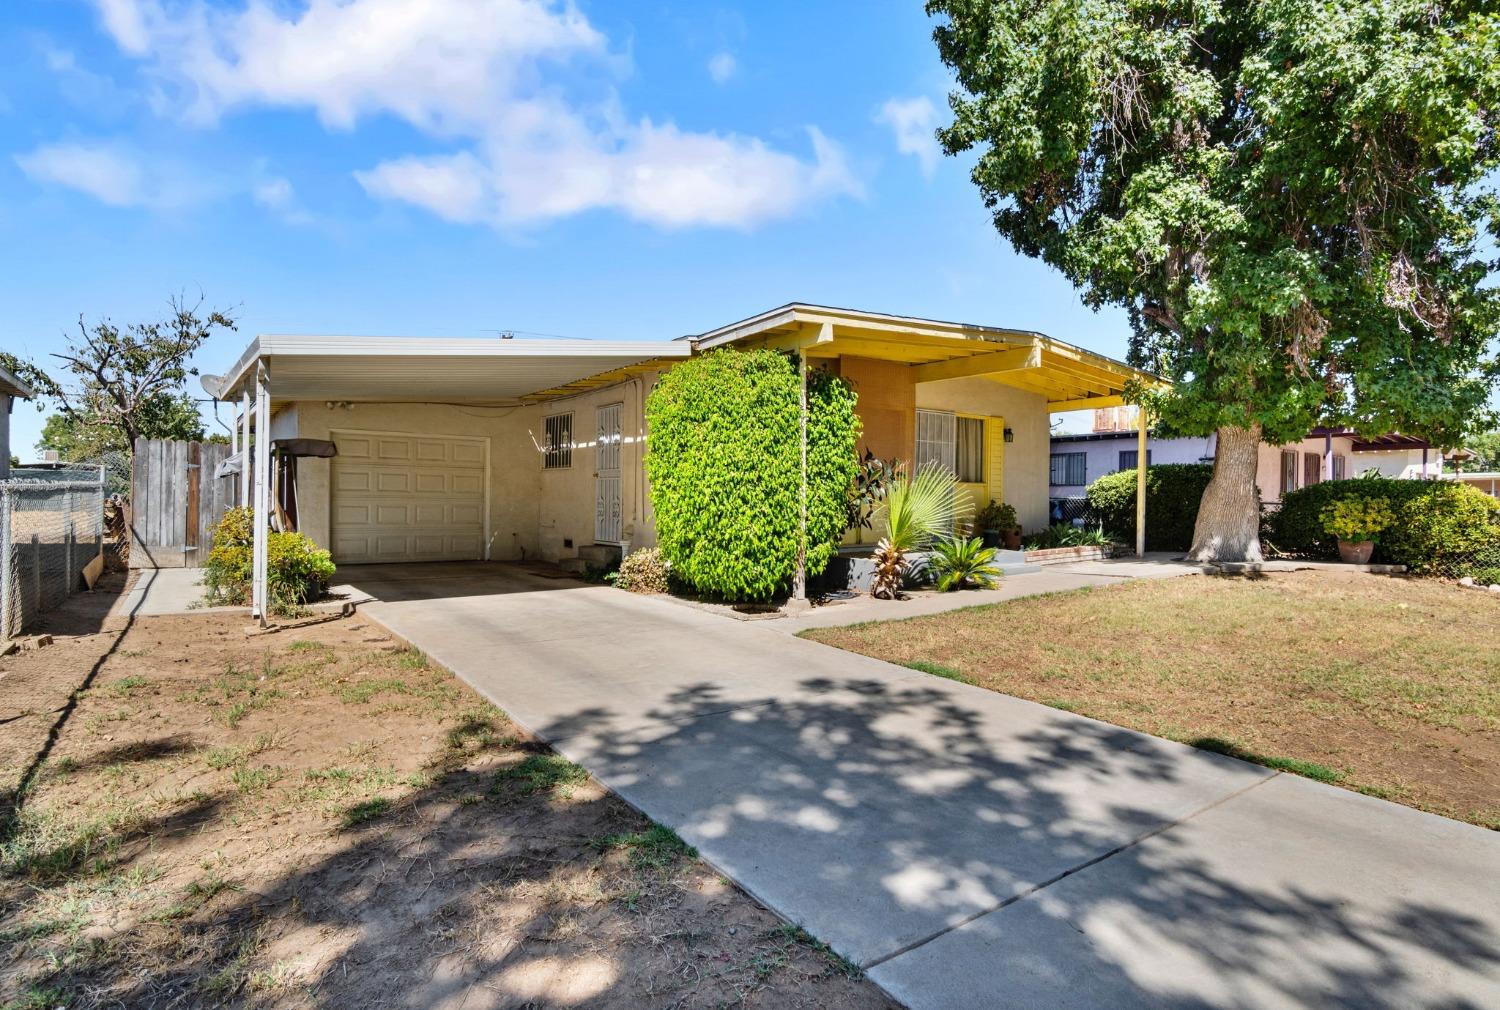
968 455
937 440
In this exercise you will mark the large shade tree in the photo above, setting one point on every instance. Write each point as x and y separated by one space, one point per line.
1293 200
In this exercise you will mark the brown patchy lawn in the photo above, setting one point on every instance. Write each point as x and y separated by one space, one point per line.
316 817
1385 685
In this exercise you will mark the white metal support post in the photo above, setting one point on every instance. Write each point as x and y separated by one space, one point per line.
1140 481
245 447
262 517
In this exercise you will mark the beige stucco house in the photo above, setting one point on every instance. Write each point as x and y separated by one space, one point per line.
526 449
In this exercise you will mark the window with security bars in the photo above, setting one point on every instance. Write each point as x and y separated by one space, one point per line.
1288 471
1069 469
936 440
1340 467
1129 457
557 453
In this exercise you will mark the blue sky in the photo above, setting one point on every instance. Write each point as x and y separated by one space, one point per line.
457 167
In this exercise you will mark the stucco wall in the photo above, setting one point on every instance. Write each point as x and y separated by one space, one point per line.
1026 458
1405 463
566 497
886 405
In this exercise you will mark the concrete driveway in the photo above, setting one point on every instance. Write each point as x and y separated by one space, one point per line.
971 849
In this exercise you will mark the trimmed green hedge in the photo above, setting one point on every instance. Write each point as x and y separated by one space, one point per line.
724 461
1173 494
1443 527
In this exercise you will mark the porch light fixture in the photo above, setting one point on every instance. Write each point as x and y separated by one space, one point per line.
1010 434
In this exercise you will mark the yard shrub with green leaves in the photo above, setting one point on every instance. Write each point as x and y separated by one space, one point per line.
724 461
297 570
1356 520
644 571
1173 493
1437 526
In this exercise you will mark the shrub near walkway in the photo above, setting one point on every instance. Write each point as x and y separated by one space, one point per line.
319 818
1387 686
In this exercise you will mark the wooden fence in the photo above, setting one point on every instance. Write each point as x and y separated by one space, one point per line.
175 502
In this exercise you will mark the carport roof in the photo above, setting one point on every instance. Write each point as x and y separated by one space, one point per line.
439 369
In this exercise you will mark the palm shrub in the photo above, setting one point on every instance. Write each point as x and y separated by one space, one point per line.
963 563
917 511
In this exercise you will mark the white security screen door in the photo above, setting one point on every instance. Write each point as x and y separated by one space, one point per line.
607 475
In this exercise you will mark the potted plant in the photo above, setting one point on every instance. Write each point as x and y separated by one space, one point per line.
997 524
1357 522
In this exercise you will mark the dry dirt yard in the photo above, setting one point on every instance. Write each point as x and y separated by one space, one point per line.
316 817
1390 686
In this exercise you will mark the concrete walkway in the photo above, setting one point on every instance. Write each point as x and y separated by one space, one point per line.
971 849
1050 579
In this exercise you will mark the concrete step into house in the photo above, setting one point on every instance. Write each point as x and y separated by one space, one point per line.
599 557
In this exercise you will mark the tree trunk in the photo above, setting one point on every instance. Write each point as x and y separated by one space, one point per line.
1228 527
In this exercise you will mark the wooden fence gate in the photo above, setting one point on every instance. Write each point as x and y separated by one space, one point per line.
175 502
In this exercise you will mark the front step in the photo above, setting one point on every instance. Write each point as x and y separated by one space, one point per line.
600 555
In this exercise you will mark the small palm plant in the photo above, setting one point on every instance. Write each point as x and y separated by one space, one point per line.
963 563
917 511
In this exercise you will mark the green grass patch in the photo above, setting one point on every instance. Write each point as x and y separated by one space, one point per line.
939 670
655 848
360 813
126 686
837 963
1307 769
36 998
540 771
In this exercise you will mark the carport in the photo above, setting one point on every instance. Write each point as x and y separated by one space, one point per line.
430 483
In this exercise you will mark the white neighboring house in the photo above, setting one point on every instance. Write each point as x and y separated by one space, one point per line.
11 390
1325 454
1079 460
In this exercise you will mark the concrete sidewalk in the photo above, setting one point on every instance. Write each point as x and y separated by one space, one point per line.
1050 579
971 849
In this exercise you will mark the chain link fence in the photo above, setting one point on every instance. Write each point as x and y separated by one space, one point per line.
50 528
1071 511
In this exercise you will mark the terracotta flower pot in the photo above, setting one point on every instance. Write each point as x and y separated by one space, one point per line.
1013 539
1356 552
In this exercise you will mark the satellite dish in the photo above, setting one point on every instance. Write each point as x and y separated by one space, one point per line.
212 384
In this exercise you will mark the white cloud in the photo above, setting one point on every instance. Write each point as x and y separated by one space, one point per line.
274 194
107 172
913 121
126 21
119 175
533 139
722 66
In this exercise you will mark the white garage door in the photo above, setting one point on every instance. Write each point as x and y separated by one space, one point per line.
407 498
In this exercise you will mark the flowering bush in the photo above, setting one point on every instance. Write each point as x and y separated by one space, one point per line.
1355 520
297 570
644 571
